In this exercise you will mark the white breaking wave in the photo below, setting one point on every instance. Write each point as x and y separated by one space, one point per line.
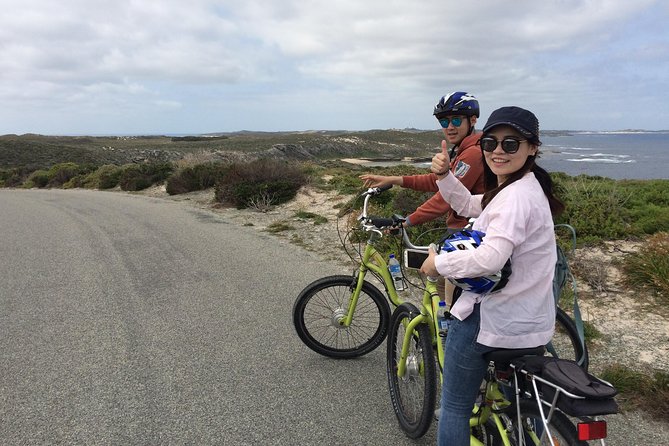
574 154
623 132
601 160
610 155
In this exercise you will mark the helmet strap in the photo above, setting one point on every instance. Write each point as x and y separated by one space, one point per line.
471 127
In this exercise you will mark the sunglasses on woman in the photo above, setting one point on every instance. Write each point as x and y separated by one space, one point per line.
456 121
509 145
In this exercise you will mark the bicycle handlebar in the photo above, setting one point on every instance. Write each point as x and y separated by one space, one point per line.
378 223
376 190
383 222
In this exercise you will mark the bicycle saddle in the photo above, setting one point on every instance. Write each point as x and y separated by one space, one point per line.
508 354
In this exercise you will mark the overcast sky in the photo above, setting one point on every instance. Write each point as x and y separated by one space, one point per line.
199 66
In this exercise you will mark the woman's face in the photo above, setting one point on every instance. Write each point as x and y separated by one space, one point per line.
502 163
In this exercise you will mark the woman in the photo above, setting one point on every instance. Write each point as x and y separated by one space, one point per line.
515 213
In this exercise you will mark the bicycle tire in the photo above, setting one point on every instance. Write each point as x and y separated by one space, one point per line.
414 396
562 430
323 303
566 343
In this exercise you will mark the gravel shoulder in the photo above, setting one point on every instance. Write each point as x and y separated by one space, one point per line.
634 330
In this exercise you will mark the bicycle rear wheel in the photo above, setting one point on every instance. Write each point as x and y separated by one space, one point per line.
566 343
414 395
320 308
562 430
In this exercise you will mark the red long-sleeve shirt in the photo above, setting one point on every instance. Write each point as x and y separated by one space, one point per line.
467 166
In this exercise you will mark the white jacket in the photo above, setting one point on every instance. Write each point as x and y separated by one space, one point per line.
518 225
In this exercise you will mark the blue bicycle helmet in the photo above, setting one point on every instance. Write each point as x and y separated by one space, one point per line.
457 103
468 239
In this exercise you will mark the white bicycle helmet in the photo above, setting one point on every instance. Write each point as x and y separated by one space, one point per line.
468 239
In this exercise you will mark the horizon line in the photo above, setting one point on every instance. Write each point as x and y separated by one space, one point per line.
221 133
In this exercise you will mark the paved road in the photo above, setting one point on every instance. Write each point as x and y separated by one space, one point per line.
131 320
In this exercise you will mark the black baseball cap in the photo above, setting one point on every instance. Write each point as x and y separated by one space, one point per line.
520 119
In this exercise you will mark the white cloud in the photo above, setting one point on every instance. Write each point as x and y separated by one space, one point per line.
376 64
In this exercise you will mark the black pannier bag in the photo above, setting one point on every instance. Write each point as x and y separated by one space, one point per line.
598 395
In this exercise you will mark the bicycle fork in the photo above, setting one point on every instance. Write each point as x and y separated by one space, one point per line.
406 342
356 287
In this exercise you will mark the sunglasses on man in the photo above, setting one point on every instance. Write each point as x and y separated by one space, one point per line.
455 120
509 144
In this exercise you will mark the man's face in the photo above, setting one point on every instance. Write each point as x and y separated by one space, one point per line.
457 127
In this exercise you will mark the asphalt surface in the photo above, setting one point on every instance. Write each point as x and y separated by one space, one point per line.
127 320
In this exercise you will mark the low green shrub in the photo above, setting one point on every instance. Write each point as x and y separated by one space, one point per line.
345 181
61 173
595 207
405 201
591 332
39 178
279 226
105 177
136 177
604 209
649 267
75 181
318 219
197 177
638 390
262 180
648 205
14 177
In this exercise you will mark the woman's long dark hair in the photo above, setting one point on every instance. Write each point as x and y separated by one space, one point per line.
492 188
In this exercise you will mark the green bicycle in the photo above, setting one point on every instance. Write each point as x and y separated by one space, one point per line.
414 374
346 316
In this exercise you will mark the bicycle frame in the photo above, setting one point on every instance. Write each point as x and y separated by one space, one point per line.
428 311
373 261
494 399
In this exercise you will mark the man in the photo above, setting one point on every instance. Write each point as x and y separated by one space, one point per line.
457 114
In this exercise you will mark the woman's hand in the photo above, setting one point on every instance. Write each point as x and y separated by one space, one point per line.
370 180
428 267
441 162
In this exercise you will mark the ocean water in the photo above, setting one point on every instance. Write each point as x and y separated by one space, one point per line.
617 155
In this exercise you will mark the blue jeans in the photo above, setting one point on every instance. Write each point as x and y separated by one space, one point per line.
464 369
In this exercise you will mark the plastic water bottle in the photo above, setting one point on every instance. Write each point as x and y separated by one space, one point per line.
443 318
396 272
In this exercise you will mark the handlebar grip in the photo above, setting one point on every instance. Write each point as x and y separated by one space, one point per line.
382 222
376 190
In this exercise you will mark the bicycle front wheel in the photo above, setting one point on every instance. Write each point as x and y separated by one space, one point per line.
413 395
561 429
566 343
323 304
